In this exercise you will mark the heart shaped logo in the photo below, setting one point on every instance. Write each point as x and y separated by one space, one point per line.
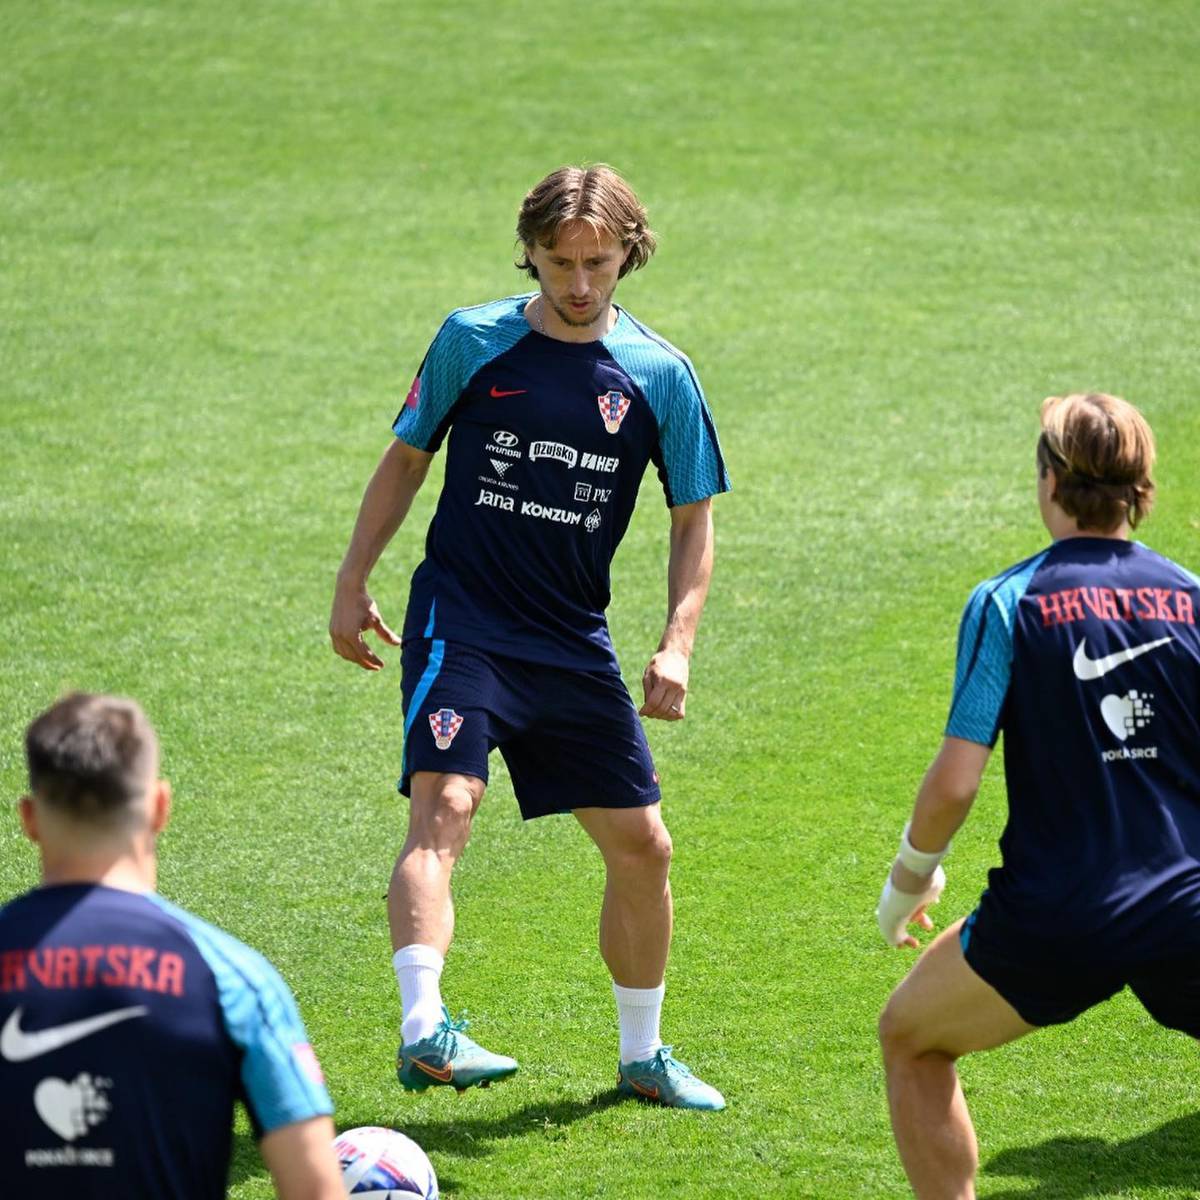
1125 715
71 1109
60 1105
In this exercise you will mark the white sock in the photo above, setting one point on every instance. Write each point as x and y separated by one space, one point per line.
419 974
638 1012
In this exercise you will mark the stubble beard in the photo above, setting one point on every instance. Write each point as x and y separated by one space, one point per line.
568 318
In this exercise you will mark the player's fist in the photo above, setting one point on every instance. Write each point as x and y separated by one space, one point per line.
897 909
664 685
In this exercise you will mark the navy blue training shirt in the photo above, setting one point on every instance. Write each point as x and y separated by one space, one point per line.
128 1028
1087 657
548 443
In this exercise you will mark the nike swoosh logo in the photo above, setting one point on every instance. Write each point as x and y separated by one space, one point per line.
497 394
650 1092
441 1074
17 1045
1096 668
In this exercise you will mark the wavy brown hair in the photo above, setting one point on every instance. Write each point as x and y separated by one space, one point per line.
1101 451
597 195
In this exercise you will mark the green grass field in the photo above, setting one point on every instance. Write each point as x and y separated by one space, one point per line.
227 233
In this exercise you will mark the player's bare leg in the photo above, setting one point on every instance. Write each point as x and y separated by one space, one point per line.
635 937
420 909
434 1048
940 1011
635 920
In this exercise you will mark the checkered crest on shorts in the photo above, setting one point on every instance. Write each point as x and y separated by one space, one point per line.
445 723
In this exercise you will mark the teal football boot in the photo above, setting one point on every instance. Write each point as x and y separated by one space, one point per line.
666 1080
448 1057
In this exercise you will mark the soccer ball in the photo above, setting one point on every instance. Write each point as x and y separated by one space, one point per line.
382 1164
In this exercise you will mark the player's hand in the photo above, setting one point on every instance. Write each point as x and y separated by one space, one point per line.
664 685
354 612
898 909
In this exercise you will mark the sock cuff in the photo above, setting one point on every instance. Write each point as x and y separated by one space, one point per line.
418 955
639 997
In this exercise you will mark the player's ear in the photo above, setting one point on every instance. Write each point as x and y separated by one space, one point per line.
160 806
28 817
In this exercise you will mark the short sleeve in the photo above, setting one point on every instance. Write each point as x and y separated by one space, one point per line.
694 467
445 372
281 1078
982 670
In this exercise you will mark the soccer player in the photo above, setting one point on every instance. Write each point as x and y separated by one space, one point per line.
1087 657
128 1027
552 403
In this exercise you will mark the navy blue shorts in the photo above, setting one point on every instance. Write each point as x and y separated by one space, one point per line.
1050 984
571 739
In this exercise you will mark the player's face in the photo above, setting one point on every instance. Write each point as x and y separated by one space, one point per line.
579 273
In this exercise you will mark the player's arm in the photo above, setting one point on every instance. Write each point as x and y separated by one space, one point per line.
385 504
689 569
943 802
301 1161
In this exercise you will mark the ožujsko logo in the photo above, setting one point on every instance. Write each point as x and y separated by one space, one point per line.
613 407
445 724
556 450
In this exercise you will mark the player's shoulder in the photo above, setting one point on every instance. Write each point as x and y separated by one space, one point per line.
230 959
1004 589
483 322
1181 575
662 370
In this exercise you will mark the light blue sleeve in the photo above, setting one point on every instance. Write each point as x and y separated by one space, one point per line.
983 665
281 1078
445 371
693 466
691 452
468 339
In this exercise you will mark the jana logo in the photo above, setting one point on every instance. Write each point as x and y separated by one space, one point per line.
503 438
445 724
71 1109
1125 715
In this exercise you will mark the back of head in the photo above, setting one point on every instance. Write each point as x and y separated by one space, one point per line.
92 758
1101 451
596 195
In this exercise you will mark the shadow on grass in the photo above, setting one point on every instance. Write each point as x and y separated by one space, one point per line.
471 1136
246 1162
1068 1167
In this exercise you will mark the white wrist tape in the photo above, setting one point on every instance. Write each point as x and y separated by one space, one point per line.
918 861
896 908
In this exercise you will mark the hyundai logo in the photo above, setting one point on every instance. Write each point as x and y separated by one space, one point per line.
503 438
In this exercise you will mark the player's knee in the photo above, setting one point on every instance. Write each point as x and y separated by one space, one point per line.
895 1033
648 848
442 818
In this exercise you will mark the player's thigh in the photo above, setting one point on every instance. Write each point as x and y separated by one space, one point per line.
585 747
635 833
942 1006
451 712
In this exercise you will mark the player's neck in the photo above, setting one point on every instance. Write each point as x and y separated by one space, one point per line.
543 318
135 872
